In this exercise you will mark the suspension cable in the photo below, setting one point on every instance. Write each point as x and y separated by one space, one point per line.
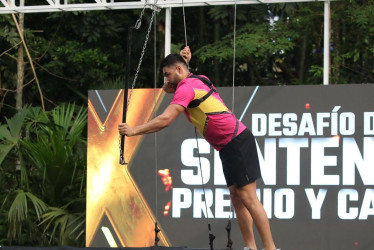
185 27
228 228
155 113
157 230
233 60
211 236
185 32
202 179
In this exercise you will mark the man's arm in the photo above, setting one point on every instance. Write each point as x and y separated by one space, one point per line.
154 125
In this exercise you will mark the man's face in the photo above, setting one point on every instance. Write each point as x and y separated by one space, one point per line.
172 75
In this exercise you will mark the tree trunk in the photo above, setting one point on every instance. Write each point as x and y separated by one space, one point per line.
20 66
21 31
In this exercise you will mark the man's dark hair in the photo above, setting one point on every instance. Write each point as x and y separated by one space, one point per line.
171 60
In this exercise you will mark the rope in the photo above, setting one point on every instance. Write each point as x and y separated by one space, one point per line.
184 22
233 61
202 180
155 113
157 230
233 99
185 31
211 236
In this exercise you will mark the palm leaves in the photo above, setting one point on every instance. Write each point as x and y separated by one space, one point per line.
10 133
44 197
18 209
64 226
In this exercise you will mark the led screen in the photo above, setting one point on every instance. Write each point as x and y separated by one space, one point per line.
316 151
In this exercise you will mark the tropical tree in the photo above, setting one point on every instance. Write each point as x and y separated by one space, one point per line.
43 164
353 42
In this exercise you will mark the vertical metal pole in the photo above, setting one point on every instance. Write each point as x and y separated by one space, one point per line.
326 45
167 31
122 160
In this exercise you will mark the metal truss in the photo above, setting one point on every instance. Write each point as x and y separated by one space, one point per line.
26 6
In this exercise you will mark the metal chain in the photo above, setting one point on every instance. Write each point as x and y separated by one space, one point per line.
137 25
139 21
141 56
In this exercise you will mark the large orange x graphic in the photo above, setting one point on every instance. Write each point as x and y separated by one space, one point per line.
111 190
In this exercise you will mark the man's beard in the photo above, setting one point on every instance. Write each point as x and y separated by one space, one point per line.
174 83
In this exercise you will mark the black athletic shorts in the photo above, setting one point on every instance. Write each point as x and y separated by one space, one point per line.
240 160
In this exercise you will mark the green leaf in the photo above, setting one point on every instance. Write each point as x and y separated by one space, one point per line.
11 132
4 150
5 133
16 122
18 211
39 205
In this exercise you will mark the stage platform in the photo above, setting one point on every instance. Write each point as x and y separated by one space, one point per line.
97 248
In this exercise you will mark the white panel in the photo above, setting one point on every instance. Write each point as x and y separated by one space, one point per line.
110 4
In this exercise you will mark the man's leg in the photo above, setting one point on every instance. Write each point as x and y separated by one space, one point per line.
250 200
244 219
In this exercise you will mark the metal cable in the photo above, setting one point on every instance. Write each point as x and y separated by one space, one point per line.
155 114
233 78
184 22
202 179
233 61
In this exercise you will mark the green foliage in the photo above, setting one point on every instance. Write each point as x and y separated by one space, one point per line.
8 31
353 39
316 73
92 29
18 210
257 41
10 133
64 226
47 175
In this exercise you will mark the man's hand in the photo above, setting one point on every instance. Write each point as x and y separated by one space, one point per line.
186 54
154 125
125 129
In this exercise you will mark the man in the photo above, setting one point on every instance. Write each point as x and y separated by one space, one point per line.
198 99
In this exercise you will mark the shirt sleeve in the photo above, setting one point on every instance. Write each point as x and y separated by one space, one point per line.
183 95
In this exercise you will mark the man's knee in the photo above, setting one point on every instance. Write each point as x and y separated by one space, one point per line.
235 197
246 193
